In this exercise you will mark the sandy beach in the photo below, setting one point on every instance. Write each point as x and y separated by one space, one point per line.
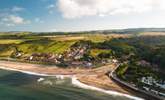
93 77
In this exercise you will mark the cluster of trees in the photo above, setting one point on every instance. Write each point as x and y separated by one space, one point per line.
132 50
148 48
121 71
15 35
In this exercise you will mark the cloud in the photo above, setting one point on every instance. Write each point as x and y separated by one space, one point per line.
11 17
16 19
80 8
38 20
12 20
51 8
17 9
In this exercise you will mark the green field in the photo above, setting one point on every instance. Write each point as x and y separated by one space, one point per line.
46 43
9 41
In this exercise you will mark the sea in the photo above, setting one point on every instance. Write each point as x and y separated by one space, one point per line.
20 86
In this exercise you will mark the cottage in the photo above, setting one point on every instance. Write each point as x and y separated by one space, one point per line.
77 63
144 63
148 80
161 85
88 64
31 58
114 60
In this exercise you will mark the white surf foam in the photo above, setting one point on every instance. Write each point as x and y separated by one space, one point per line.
77 83
40 79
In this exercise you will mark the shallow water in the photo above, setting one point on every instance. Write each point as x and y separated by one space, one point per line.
19 86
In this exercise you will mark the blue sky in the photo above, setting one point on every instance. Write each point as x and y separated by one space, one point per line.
79 15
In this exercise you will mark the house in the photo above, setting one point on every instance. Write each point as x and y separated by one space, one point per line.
31 58
151 81
114 60
18 54
161 85
76 63
148 80
88 64
146 88
60 56
143 63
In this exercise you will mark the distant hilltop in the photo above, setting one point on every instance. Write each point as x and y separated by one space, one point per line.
117 31
130 30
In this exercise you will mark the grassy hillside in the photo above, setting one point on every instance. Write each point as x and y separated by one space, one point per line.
30 43
47 46
35 46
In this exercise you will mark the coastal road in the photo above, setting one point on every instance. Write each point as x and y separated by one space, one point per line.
149 95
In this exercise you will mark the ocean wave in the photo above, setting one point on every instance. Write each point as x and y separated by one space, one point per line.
40 79
76 82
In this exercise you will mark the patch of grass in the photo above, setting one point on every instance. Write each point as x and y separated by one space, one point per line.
65 38
96 37
47 46
59 47
10 41
151 34
103 37
96 52
5 50
92 37
5 53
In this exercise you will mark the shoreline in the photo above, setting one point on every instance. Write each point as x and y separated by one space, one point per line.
78 83
75 81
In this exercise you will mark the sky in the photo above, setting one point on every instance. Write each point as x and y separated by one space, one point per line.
80 15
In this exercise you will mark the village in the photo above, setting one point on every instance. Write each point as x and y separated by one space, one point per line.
76 56
150 84
154 85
